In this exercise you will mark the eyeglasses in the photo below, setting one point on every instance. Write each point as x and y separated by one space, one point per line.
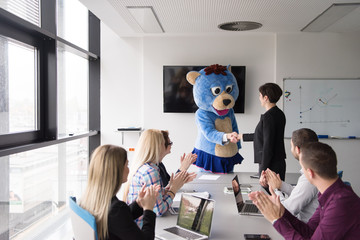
169 144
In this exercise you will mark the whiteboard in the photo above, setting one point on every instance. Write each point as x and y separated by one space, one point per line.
328 106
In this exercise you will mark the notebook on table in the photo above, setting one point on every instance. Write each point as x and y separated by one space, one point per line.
244 207
194 219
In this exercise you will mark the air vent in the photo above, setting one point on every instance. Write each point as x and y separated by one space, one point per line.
240 26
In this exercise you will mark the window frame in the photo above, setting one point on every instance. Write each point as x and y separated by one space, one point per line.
44 38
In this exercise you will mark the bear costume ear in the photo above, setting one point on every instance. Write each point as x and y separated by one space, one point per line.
229 68
191 77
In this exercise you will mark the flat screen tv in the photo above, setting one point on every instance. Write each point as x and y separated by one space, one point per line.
178 92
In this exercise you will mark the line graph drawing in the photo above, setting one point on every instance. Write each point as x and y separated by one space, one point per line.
328 106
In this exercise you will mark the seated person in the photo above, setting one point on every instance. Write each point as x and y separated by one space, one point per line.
338 214
301 200
115 219
149 152
185 161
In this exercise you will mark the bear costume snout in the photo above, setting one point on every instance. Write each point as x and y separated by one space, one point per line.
223 103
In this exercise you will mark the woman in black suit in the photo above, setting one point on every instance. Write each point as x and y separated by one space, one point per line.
269 149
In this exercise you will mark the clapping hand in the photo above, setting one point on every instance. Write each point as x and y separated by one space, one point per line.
269 205
273 179
147 197
263 181
187 160
178 180
190 177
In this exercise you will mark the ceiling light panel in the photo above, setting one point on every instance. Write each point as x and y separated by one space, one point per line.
330 16
146 18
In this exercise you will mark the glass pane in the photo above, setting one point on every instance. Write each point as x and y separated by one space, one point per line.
37 184
73 22
18 87
28 10
73 79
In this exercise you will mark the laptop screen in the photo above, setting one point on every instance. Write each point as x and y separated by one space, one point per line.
237 193
196 214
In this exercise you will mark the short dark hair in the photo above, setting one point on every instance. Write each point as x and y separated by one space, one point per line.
272 91
303 135
321 158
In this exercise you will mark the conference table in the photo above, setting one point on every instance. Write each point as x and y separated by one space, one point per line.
227 223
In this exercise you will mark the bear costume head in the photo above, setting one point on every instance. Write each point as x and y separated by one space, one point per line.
215 89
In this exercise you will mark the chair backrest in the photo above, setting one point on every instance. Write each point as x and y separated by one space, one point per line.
340 174
83 223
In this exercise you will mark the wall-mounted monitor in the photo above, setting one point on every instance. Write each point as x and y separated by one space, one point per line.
178 92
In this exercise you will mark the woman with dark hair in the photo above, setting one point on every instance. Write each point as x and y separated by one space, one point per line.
268 138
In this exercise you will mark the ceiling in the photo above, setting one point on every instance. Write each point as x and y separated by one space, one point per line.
191 17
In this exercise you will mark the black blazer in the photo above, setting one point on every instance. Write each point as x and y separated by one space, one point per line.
121 223
269 149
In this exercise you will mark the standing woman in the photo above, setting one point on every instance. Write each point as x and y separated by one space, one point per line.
269 149
150 151
114 218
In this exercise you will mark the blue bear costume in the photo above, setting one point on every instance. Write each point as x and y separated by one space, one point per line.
215 91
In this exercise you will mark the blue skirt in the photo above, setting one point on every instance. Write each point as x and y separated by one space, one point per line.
216 164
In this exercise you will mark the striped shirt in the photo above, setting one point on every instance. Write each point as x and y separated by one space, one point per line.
149 174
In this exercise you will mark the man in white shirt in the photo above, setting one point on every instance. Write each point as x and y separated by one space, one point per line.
301 200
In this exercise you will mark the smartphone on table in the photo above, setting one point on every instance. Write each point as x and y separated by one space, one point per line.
257 237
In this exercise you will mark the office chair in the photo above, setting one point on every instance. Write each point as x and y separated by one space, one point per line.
340 174
83 223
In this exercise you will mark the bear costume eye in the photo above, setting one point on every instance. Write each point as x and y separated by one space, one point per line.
215 90
229 88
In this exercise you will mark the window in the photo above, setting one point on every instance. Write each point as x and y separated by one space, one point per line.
73 22
28 10
72 93
48 80
18 109
41 180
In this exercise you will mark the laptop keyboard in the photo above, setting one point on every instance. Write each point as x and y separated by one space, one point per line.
182 233
251 208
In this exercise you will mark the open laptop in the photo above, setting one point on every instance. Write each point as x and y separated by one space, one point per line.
194 219
244 208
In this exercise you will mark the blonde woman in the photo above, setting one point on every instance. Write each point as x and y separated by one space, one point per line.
114 218
185 161
150 151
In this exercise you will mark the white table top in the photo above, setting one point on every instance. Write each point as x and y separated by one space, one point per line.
227 223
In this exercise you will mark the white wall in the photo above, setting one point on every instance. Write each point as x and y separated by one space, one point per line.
131 82
256 52
323 55
121 87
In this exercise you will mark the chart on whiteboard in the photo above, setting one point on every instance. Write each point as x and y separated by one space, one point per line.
328 106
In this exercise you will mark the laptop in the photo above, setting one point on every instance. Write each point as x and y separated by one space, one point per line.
193 221
244 208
